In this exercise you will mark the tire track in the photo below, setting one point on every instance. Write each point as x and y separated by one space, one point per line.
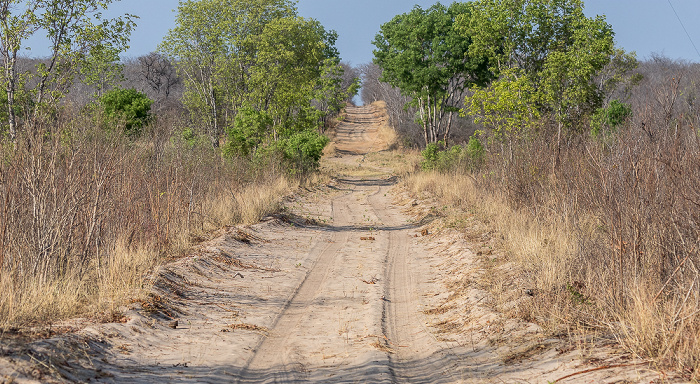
407 336
270 362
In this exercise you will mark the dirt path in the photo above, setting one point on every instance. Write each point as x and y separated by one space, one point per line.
344 288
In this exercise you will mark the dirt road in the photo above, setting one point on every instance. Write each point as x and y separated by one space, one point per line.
343 288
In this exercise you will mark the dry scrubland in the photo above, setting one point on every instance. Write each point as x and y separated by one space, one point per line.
608 242
88 214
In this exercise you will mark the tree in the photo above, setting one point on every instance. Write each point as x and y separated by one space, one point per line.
210 45
505 106
80 41
257 58
550 45
158 73
294 59
422 54
337 86
351 80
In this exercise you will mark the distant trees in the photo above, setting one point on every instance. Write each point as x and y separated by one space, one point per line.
81 42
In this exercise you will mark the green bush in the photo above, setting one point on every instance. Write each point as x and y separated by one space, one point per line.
467 158
248 132
476 152
128 107
299 145
303 150
606 120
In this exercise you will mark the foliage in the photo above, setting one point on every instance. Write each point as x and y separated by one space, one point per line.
237 55
333 92
247 133
81 41
422 53
608 119
302 150
128 107
292 54
505 106
468 158
548 48
476 152
209 45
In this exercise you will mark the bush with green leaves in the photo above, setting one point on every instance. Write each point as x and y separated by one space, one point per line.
298 143
467 158
248 132
302 150
607 120
127 107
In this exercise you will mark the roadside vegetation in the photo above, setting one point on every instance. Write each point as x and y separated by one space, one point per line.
109 166
585 159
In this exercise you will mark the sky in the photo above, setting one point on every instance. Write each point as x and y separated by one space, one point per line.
643 26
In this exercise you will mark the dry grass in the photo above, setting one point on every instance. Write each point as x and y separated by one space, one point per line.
543 249
607 243
84 217
386 135
249 204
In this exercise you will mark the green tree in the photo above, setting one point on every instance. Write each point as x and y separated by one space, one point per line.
505 106
211 46
258 72
294 60
332 94
550 45
426 57
76 31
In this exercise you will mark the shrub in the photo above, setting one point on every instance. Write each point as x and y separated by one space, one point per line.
608 119
303 150
476 152
128 107
247 133
467 158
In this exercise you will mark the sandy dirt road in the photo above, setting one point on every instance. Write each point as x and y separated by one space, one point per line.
346 287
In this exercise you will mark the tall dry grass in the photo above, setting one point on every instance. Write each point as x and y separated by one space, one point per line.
85 213
610 238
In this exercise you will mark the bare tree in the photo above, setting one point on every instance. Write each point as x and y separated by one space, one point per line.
159 73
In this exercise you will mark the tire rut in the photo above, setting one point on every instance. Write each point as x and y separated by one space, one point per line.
417 356
269 363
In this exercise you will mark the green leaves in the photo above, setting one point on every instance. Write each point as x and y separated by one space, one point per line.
239 56
80 40
606 120
248 132
128 107
258 72
546 55
505 106
424 55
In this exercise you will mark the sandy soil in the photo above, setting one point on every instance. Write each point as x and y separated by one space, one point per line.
345 287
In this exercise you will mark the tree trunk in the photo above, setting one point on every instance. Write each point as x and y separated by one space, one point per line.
555 163
10 75
447 129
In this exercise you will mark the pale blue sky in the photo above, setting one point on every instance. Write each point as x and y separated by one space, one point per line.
644 26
